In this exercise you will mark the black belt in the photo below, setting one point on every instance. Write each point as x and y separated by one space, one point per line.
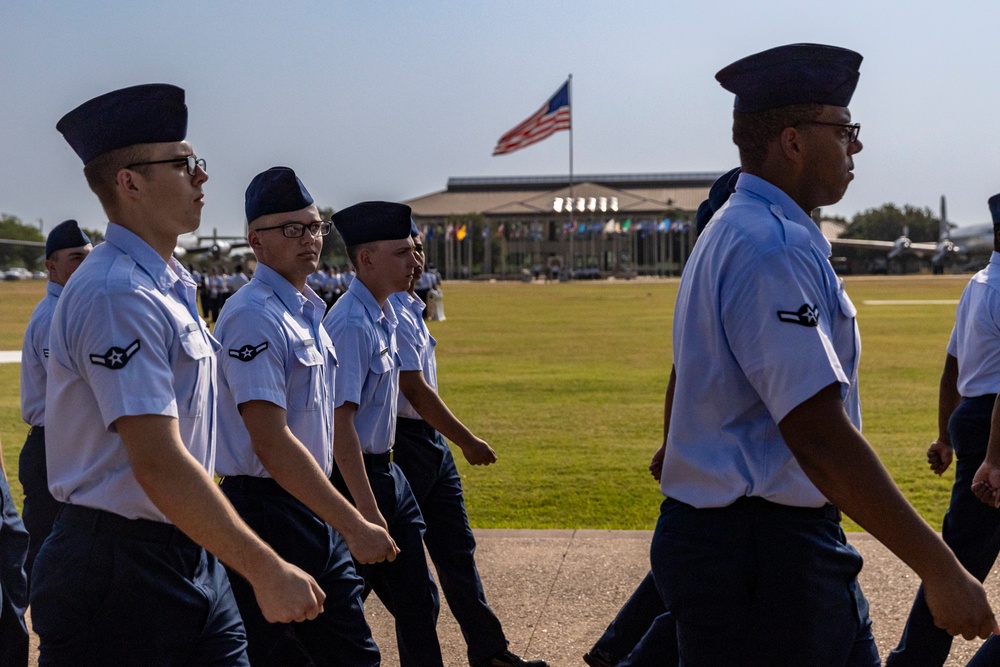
36 430
247 484
413 425
828 511
100 522
377 462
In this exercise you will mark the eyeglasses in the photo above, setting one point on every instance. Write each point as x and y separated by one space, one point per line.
295 230
192 163
852 129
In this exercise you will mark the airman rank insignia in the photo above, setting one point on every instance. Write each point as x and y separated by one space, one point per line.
116 357
45 352
807 316
248 352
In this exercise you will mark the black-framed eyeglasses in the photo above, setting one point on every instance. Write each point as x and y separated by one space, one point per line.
192 163
852 129
295 230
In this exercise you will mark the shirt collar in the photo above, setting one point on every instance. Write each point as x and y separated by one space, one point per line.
164 274
294 300
362 294
995 259
54 289
782 205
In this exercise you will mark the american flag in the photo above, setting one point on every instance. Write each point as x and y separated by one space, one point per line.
552 117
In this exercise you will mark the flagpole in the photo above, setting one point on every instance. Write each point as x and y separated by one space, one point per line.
572 199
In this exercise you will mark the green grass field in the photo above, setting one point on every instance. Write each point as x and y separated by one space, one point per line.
566 382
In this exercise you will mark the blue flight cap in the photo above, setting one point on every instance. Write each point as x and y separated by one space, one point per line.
65 235
373 221
718 195
994 203
277 190
147 114
792 74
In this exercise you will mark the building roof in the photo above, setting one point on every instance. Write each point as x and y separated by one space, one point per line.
520 196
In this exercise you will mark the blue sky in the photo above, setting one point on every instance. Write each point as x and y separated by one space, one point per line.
374 99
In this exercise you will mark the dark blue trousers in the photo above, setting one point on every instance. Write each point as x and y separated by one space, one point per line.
424 457
971 529
13 584
404 586
340 636
643 632
110 591
757 584
40 508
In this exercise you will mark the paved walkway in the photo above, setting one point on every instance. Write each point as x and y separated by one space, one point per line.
556 590
13 357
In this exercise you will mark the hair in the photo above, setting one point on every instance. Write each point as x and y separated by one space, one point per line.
354 250
102 171
753 132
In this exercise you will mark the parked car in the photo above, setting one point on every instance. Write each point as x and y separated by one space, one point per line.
17 274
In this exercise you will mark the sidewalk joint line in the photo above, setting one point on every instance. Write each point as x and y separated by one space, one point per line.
548 595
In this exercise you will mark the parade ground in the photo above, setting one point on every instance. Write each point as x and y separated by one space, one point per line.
566 382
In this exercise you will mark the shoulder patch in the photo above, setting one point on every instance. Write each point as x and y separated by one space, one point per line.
807 316
116 357
248 352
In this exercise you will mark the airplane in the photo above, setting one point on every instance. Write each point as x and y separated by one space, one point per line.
955 244
187 244
219 246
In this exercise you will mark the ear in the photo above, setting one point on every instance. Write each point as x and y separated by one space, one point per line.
50 266
792 145
253 238
365 257
128 183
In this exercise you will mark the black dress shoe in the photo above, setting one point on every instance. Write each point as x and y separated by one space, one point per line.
507 659
598 658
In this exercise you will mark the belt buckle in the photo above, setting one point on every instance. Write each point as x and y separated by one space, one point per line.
392 454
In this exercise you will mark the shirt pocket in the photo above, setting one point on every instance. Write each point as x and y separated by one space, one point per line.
380 375
198 349
309 361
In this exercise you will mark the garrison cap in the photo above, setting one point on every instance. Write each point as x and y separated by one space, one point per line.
717 196
373 221
792 74
277 190
66 234
146 114
994 203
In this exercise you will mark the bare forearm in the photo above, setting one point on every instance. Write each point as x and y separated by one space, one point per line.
347 454
948 397
668 402
186 494
294 468
842 465
434 411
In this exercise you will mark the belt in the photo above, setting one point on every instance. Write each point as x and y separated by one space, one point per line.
36 430
247 484
376 462
828 511
411 425
100 522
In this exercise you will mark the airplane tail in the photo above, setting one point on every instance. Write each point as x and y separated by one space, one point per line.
944 229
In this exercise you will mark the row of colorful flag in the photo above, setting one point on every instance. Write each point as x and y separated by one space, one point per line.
536 230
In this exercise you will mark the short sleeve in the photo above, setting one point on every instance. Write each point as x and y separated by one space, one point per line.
777 321
353 345
121 346
253 354
408 343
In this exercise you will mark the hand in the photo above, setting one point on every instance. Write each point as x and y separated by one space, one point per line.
656 465
939 456
371 543
285 594
479 453
986 484
959 606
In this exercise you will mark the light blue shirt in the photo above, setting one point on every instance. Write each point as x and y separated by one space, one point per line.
416 345
368 371
762 324
975 339
35 357
274 349
126 340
